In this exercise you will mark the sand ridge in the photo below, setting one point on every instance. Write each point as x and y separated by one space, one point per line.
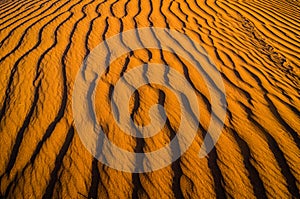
255 45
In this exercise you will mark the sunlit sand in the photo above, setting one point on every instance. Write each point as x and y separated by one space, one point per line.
255 46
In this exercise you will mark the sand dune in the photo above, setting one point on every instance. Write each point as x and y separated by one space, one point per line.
255 46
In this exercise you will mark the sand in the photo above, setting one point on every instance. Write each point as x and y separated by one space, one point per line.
255 46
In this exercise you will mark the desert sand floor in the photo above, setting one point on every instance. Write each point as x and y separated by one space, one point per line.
255 46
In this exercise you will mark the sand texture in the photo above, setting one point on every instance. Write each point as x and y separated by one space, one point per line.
255 46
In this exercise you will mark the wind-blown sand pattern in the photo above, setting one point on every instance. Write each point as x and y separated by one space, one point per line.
255 46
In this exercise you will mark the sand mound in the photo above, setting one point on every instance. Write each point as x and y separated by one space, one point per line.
255 46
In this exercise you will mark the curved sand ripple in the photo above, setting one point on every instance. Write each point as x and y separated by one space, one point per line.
255 45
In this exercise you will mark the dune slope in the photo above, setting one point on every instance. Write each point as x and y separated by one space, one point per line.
255 46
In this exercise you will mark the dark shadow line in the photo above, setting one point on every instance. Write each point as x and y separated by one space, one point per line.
58 164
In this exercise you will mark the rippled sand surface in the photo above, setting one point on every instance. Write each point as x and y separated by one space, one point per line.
255 46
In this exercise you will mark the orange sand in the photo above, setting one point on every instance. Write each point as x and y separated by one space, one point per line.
255 45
